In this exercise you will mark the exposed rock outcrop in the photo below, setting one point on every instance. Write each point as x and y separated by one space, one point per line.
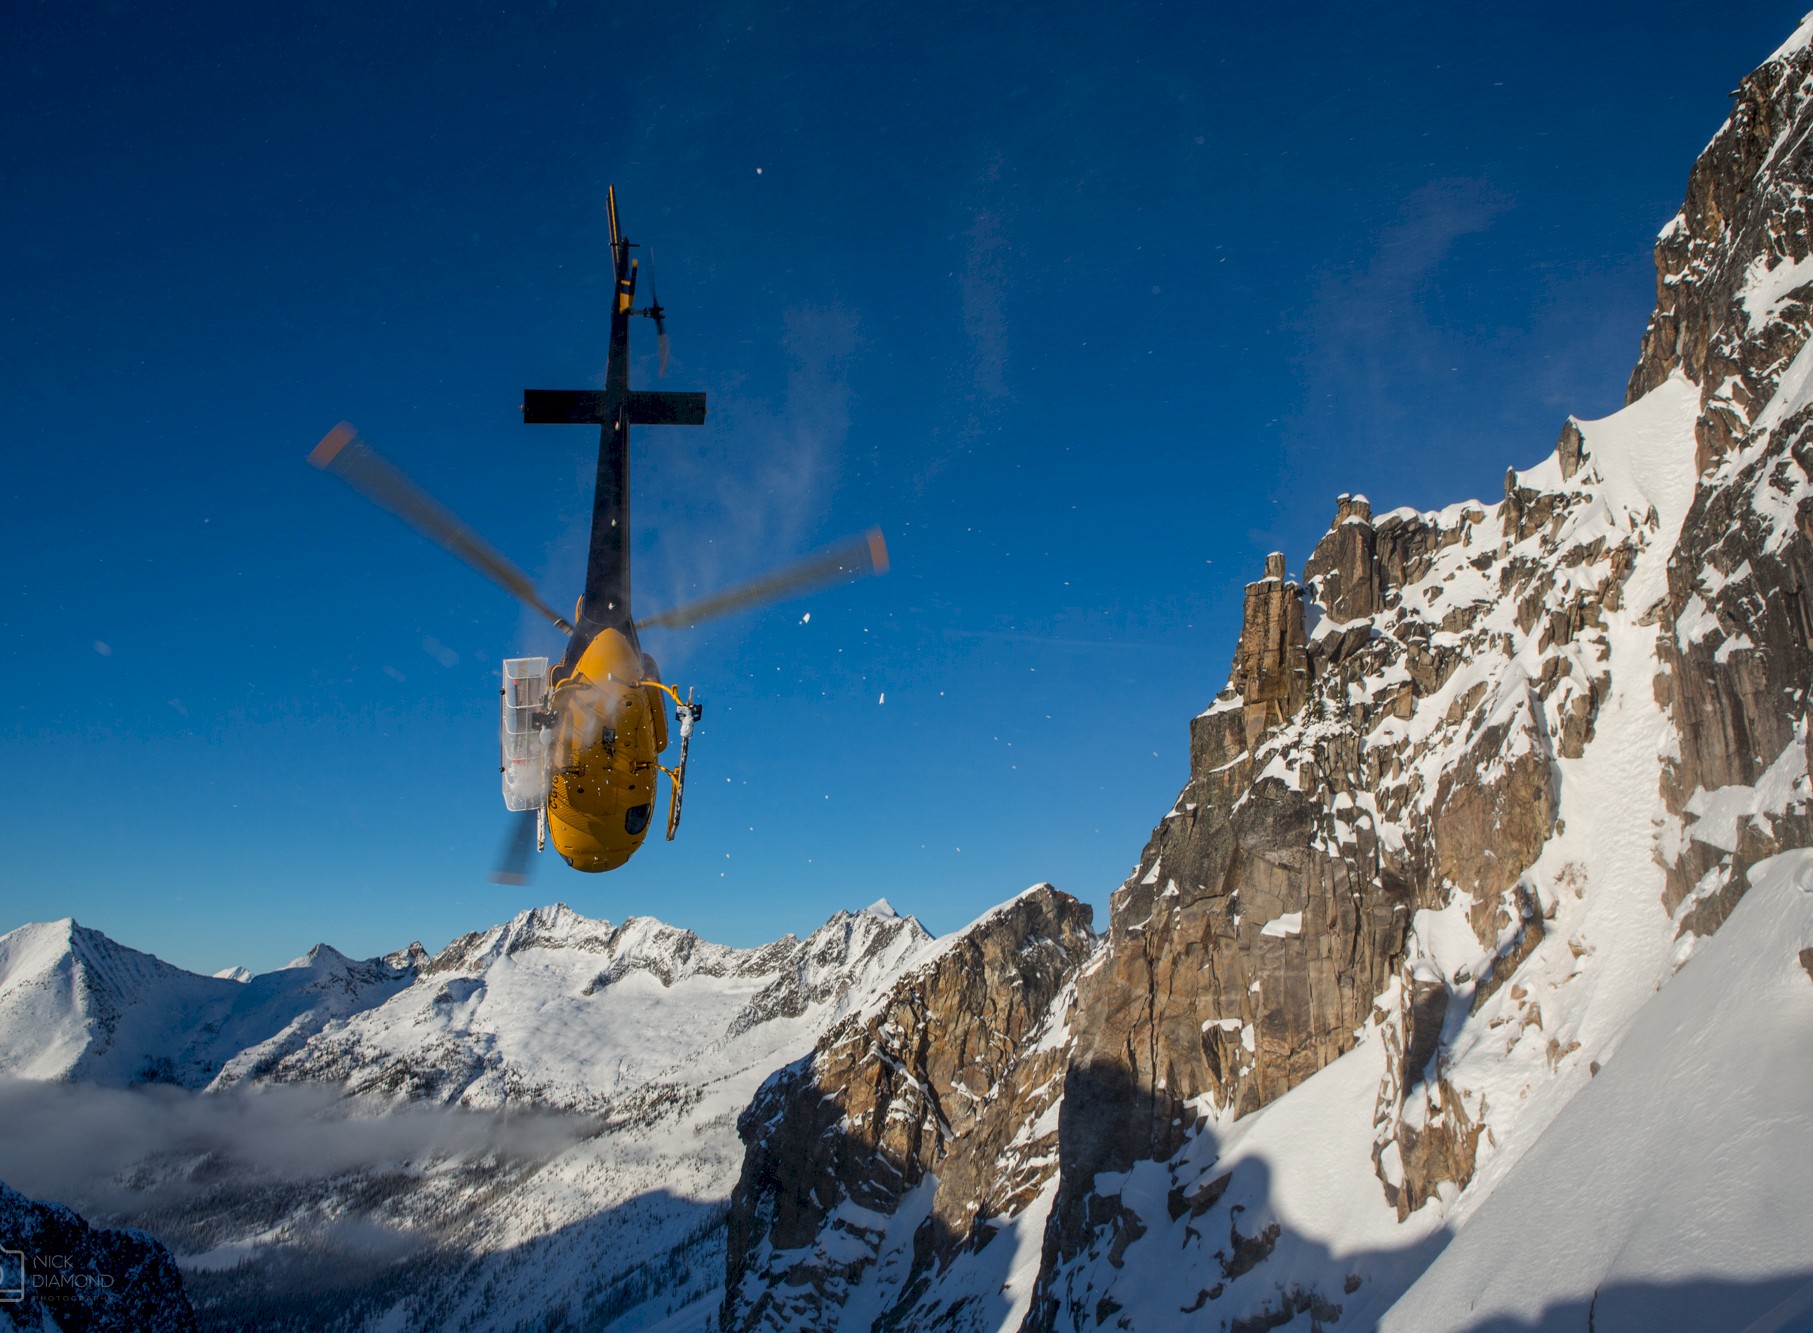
1269 663
1734 279
912 1133
1345 567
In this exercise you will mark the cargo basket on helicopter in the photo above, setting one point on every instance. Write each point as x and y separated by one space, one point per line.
523 732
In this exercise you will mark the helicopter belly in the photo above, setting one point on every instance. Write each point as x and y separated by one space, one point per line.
601 788
600 800
592 845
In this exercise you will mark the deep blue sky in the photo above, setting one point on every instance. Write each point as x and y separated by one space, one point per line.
1088 307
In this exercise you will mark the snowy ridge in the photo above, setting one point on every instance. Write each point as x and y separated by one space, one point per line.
591 1074
558 1011
76 1005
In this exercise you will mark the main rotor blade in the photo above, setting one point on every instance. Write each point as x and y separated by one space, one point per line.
344 453
516 858
854 558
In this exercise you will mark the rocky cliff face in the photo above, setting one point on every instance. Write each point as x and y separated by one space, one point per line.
1477 780
1358 863
914 1134
1734 278
1364 785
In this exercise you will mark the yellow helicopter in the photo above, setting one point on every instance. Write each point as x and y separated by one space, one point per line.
580 743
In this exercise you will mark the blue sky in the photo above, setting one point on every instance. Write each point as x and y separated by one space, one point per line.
1087 308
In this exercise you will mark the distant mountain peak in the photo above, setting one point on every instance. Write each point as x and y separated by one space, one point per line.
76 1005
555 916
322 957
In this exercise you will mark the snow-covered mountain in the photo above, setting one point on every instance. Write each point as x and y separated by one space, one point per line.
540 1118
75 1005
511 1016
1412 1013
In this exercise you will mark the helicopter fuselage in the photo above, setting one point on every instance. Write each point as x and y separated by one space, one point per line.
609 725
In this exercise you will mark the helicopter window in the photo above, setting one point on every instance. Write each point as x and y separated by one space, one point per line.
635 819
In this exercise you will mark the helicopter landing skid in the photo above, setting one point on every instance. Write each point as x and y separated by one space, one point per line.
686 714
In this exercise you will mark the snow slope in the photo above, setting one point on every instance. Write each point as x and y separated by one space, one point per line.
1672 1191
1608 942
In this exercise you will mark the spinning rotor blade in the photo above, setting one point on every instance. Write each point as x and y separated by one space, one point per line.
345 454
516 858
663 348
856 558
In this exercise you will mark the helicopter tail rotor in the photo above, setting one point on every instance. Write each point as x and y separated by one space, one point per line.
657 312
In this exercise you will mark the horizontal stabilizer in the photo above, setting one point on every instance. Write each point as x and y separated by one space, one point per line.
662 408
579 407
